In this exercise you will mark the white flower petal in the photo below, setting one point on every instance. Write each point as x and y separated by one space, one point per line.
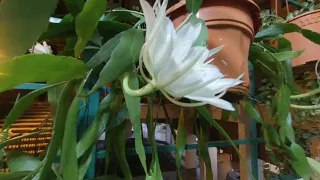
163 59
158 22
176 65
176 69
194 80
189 32
214 88
149 15
158 46
215 50
41 48
47 48
220 103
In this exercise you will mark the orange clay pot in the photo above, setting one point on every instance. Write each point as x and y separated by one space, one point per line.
232 23
309 21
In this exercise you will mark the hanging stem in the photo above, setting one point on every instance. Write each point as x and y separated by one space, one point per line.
317 106
147 89
308 94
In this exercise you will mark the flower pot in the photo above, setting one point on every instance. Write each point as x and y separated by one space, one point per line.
309 21
232 23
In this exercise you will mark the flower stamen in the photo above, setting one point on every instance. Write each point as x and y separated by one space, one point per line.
182 104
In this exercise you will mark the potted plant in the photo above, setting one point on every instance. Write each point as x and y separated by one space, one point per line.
232 24
115 62
280 100
307 18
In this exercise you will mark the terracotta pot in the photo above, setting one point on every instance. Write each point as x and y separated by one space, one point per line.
232 23
309 21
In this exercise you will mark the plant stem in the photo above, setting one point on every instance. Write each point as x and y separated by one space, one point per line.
308 94
147 89
317 106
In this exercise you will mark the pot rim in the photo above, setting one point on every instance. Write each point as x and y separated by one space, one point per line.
304 14
254 10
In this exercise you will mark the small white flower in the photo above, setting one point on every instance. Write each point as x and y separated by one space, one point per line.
178 67
39 48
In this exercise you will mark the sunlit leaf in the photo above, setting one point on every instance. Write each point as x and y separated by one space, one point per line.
22 23
39 68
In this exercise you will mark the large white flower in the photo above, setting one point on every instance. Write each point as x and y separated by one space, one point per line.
39 48
176 65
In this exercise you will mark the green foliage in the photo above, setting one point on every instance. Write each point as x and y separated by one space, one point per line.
58 128
21 16
123 57
14 175
74 6
202 134
119 143
95 130
87 21
283 104
315 166
154 171
134 108
207 116
39 68
307 6
104 54
278 29
22 104
251 111
300 163
181 142
69 162
193 6
19 161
